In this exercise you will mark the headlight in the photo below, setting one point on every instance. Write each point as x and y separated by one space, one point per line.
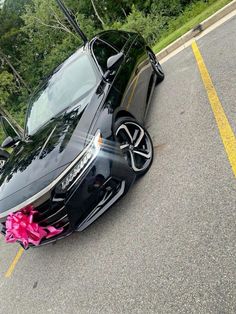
80 165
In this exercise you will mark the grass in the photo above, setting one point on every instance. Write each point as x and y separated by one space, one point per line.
190 18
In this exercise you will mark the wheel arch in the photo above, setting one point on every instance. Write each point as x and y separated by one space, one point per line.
122 113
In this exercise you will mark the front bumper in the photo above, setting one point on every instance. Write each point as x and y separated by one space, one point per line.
99 186
106 180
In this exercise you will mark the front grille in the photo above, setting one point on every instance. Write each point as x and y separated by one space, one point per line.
52 214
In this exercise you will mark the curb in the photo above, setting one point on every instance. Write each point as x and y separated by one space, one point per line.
197 30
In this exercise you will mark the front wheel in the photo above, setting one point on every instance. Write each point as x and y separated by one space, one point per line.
157 68
135 144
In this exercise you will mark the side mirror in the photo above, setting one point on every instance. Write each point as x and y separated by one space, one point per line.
112 63
10 142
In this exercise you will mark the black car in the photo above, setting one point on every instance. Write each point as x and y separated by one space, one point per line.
84 142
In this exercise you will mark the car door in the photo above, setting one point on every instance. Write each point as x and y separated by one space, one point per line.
133 78
130 80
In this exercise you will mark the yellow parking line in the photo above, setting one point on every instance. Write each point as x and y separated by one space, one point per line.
226 132
14 263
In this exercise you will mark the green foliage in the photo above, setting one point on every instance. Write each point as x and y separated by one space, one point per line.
169 8
191 16
50 39
149 25
7 86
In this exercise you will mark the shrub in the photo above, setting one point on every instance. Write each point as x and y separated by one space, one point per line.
149 25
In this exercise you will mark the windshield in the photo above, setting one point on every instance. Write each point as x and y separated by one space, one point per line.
73 81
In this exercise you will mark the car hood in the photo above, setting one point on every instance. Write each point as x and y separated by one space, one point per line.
40 159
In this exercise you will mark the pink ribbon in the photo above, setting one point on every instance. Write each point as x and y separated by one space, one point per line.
20 227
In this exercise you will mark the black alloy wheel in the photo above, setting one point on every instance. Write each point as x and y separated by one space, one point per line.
157 68
135 143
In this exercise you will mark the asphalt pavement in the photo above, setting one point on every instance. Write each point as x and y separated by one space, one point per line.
169 246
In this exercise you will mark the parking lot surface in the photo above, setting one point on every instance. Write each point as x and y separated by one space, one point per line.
169 246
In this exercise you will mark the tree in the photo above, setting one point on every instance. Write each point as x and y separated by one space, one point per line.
97 14
7 86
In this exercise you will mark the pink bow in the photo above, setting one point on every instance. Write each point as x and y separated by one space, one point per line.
20 227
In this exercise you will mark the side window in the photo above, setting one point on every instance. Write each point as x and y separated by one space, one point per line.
116 39
102 53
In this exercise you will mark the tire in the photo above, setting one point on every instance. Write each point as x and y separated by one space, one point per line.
157 68
135 143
